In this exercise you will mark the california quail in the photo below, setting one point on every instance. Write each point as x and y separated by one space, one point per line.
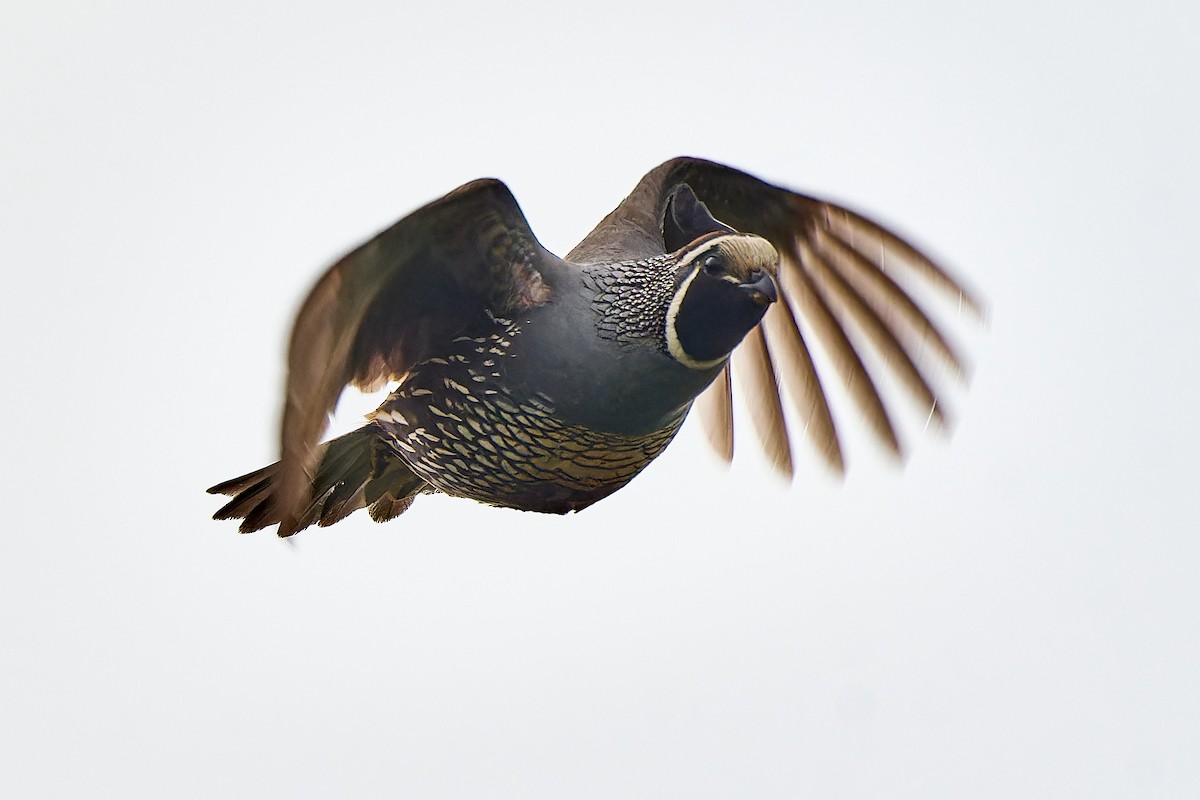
546 384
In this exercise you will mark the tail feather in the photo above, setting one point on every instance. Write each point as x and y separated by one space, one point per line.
388 496
353 471
247 499
264 514
344 497
236 485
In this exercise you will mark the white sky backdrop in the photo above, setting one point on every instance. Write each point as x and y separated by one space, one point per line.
1015 614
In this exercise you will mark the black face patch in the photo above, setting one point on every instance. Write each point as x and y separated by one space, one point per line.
714 316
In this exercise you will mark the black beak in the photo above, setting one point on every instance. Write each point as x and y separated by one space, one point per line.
762 288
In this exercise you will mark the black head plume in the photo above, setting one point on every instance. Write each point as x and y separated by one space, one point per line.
687 219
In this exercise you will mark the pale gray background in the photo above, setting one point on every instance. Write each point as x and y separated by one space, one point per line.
1015 614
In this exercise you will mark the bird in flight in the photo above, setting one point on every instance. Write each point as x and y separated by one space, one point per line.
545 384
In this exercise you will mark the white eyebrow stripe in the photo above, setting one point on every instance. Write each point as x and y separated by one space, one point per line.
707 245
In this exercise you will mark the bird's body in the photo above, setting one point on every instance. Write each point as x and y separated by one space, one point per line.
469 427
529 381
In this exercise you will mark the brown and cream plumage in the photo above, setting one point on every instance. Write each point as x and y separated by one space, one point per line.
545 384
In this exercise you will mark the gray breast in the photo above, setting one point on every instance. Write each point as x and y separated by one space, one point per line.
599 351
467 429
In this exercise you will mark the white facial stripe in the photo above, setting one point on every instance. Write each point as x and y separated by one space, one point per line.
674 346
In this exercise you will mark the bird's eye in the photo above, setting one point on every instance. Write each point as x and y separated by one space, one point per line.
713 265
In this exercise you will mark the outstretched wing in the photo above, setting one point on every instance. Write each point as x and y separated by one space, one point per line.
847 282
382 307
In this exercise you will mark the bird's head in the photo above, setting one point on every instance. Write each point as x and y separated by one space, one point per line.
724 282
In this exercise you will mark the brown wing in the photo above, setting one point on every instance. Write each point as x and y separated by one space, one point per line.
847 282
382 307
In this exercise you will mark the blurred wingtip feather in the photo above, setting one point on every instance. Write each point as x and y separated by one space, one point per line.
715 406
766 411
